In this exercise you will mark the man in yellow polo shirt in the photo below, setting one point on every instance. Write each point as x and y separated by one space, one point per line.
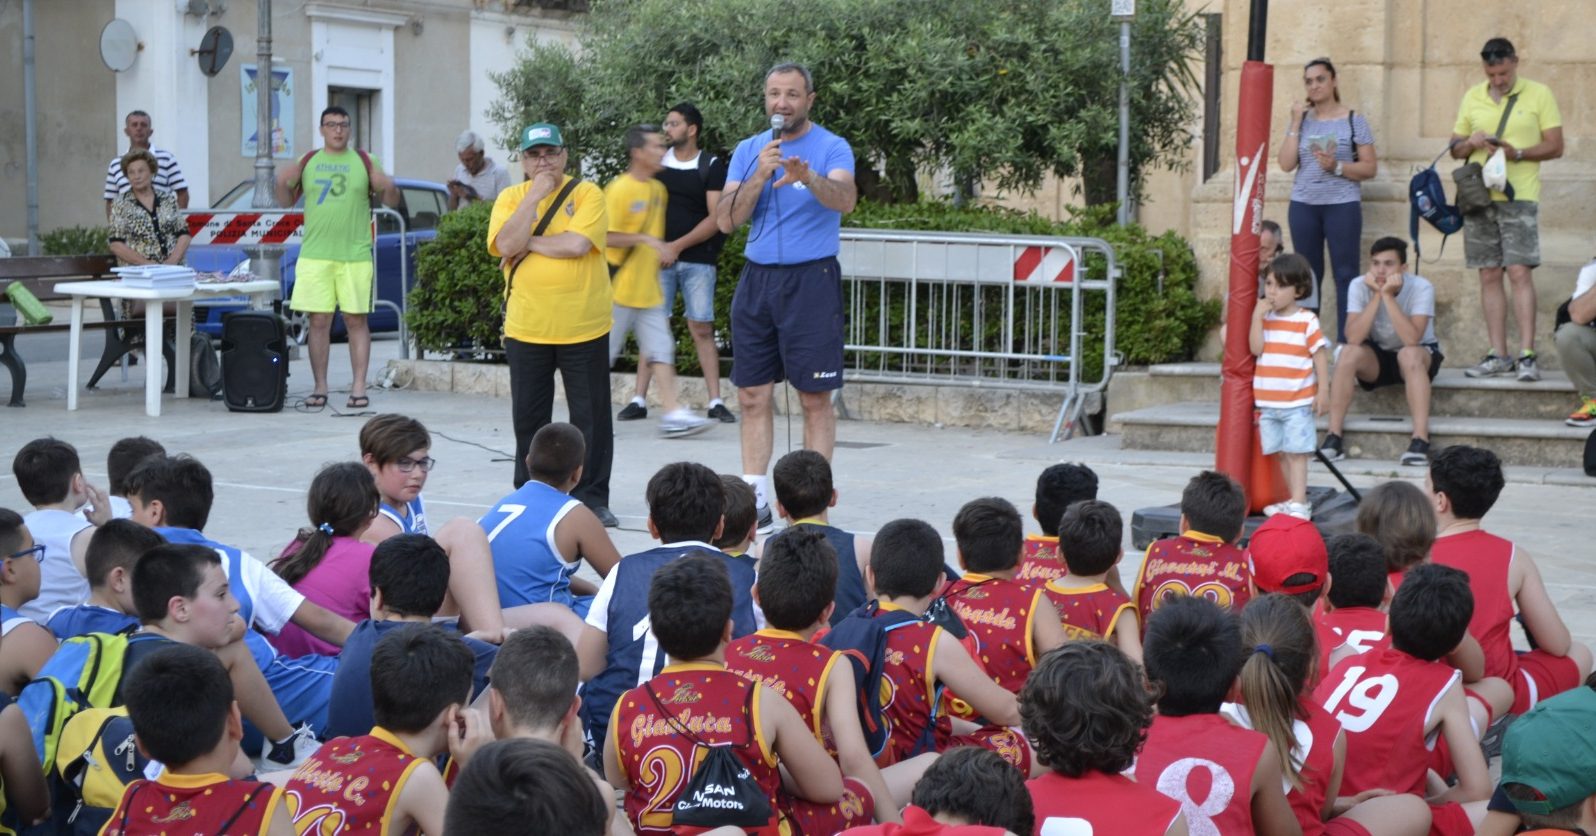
1507 235
635 202
557 313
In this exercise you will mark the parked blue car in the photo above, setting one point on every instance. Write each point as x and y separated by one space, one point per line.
421 204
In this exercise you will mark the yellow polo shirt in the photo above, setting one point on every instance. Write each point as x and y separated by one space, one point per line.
558 301
636 206
1535 113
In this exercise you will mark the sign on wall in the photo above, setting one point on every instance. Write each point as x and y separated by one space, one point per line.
282 126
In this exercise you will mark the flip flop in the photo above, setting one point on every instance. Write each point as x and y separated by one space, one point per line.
316 400
357 402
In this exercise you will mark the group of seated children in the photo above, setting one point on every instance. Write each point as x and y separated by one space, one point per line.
835 683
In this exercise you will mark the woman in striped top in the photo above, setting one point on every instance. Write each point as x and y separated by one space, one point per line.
1291 381
1331 149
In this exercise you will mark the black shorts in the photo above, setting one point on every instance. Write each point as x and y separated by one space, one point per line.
1391 371
786 323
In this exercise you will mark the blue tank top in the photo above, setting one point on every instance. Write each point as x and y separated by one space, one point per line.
850 584
634 656
9 619
413 521
84 619
526 562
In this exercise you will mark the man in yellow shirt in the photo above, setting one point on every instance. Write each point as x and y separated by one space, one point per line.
557 306
635 202
1507 234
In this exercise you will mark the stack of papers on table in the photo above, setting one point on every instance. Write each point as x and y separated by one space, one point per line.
156 276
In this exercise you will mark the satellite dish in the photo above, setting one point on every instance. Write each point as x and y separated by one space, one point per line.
214 50
119 45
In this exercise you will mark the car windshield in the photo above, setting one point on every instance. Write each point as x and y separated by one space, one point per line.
239 198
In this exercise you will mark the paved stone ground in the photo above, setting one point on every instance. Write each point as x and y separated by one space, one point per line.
262 464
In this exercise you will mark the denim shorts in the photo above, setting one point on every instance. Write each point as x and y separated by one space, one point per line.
698 289
1287 430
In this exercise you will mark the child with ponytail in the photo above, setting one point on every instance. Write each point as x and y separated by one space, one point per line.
1278 638
327 562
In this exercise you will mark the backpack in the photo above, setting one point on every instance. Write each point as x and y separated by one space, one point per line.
96 760
1427 200
205 368
720 790
1590 454
862 638
85 672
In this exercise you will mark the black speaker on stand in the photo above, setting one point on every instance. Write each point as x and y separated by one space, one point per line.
254 361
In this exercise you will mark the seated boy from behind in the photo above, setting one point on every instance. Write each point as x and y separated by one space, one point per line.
922 661
125 455
181 704
1057 488
521 787
797 579
696 702
409 578
1089 537
1014 622
1353 618
742 517
1204 560
804 491
420 684
1548 769
1394 702
113 550
1087 712
26 646
1193 656
66 507
967 792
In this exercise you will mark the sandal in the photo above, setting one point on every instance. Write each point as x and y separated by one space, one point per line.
357 402
315 400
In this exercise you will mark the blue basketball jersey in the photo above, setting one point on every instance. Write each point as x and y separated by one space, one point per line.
84 619
526 562
634 656
413 521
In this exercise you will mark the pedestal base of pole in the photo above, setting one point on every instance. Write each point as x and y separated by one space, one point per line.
1334 512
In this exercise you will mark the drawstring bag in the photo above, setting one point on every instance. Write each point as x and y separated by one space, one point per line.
721 792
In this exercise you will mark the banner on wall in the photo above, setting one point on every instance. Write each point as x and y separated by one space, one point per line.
282 126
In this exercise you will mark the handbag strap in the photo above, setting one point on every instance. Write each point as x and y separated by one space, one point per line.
1352 135
1506 111
543 223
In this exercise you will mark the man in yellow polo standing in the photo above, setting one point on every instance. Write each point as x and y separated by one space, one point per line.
550 231
334 272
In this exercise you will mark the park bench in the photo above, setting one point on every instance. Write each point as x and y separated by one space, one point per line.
40 275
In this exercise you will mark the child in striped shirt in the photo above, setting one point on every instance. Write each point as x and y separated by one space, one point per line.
1291 382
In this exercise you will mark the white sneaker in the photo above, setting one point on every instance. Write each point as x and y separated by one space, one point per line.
1300 510
290 753
682 423
1277 508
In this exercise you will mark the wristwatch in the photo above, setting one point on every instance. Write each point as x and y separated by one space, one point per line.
1518 154
1338 169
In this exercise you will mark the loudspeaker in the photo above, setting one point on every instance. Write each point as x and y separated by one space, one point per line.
254 361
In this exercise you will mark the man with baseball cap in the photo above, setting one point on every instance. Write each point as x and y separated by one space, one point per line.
1287 555
1549 764
549 233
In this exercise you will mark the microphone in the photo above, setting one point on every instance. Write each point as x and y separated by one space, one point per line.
777 122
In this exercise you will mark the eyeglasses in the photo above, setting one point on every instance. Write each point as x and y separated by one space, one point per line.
1492 56
544 153
36 552
408 464
337 126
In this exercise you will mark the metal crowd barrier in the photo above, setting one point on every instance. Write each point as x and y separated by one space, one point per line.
976 309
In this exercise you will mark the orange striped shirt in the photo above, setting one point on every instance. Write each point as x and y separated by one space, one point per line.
1283 377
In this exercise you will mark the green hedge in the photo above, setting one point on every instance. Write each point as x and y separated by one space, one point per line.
75 240
455 305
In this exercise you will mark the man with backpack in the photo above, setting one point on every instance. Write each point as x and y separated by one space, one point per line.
335 271
693 179
1519 120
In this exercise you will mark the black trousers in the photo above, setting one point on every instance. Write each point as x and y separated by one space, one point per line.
584 369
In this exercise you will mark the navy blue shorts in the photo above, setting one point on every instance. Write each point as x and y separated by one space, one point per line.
786 324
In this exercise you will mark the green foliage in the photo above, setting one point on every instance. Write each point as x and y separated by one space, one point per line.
75 240
456 299
1006 90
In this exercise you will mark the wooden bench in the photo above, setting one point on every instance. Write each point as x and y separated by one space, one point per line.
40 275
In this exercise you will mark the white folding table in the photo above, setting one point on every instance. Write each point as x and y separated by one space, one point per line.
259 291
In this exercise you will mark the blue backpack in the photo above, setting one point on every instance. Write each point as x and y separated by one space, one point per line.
861 636
1427 200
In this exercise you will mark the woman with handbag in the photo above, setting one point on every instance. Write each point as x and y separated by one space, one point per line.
1331 148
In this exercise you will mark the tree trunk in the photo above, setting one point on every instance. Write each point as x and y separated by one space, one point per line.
1100 177
901 180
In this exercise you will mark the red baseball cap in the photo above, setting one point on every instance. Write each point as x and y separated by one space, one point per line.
1284 546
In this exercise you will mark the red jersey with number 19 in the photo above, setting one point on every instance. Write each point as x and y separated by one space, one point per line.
1206 764
1384 700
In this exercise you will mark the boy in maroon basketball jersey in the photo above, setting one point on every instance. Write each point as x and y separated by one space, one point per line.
1204 560
1057 488
1087 604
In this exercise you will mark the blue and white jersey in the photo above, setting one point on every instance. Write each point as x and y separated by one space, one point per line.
84 619
412 521
620 610
526 560
10 620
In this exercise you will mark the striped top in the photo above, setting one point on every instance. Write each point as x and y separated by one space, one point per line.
170 176
1315 186
1283 378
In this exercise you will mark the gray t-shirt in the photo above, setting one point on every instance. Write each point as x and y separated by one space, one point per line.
1416 298
493 179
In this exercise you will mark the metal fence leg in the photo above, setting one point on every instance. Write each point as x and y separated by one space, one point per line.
1059 422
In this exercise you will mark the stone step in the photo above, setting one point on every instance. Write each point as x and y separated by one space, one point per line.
1189 426
1453 394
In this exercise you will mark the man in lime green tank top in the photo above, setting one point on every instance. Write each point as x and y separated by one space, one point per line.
335 270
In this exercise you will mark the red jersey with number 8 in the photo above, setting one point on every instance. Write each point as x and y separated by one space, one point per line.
1206 764
1384 700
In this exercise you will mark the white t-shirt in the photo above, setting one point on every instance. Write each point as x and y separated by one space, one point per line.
275 601
60 583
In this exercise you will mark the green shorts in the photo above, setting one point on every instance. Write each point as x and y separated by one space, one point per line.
1505 235
322 286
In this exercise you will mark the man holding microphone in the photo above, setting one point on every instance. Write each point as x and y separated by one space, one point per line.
791 185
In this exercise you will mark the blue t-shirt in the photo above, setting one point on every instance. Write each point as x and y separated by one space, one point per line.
84 619
521 531
788 225
349 711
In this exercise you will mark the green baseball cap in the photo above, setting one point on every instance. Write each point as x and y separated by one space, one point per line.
1552 749
541 133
